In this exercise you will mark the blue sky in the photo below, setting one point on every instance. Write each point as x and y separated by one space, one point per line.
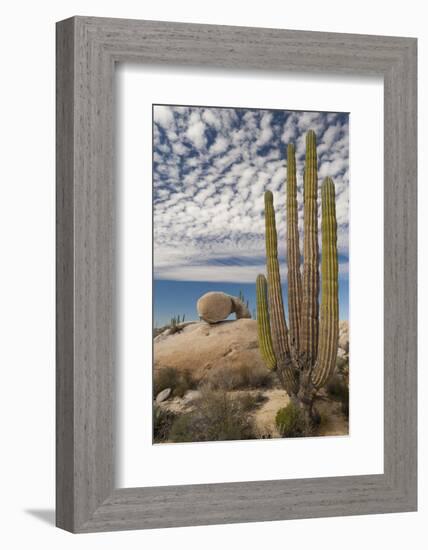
211 167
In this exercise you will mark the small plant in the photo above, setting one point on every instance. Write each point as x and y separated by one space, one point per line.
243 300
162 422
184 383
216 417
290 421
338 389
176 324
182 429
250 401
239 378
164 378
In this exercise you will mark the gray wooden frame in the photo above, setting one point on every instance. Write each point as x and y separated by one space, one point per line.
87 50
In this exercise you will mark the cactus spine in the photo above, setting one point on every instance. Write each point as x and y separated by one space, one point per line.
305 356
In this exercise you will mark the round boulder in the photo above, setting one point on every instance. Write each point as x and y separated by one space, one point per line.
214 307
163 395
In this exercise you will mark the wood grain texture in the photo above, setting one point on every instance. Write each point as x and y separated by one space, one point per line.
87 49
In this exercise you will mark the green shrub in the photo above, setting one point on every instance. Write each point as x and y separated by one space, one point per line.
216 417
178 381
289 421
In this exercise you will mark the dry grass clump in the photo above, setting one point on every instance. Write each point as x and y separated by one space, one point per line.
217 416
179 381
162 422
244 377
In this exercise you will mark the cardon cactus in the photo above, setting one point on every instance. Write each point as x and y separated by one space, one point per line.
304 356
214 307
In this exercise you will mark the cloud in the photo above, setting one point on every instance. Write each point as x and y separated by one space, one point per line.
211 169
164 116
219 146
196 131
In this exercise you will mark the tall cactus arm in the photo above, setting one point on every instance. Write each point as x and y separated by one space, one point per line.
279 331
309 312
263 324
293 252
276 306
329 318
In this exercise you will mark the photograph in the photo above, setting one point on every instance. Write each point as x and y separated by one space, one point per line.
250 273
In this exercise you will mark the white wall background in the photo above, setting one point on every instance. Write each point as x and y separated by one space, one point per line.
27 272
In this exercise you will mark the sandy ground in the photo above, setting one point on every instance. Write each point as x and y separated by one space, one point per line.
264 416
334 422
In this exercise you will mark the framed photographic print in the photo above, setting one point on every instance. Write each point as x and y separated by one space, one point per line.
236 274
216 174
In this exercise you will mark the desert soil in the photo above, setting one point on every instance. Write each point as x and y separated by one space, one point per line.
264 416
334 422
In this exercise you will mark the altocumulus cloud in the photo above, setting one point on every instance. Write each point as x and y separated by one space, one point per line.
211 167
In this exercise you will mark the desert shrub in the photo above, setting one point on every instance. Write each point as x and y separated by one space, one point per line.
250 401
164 378
338 389
289 421
174 329
185 382
243 377
178 381
216 417
162 422
182 428
251 376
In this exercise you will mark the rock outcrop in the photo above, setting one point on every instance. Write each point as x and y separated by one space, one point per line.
200 347
342 361
344 335
214 307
